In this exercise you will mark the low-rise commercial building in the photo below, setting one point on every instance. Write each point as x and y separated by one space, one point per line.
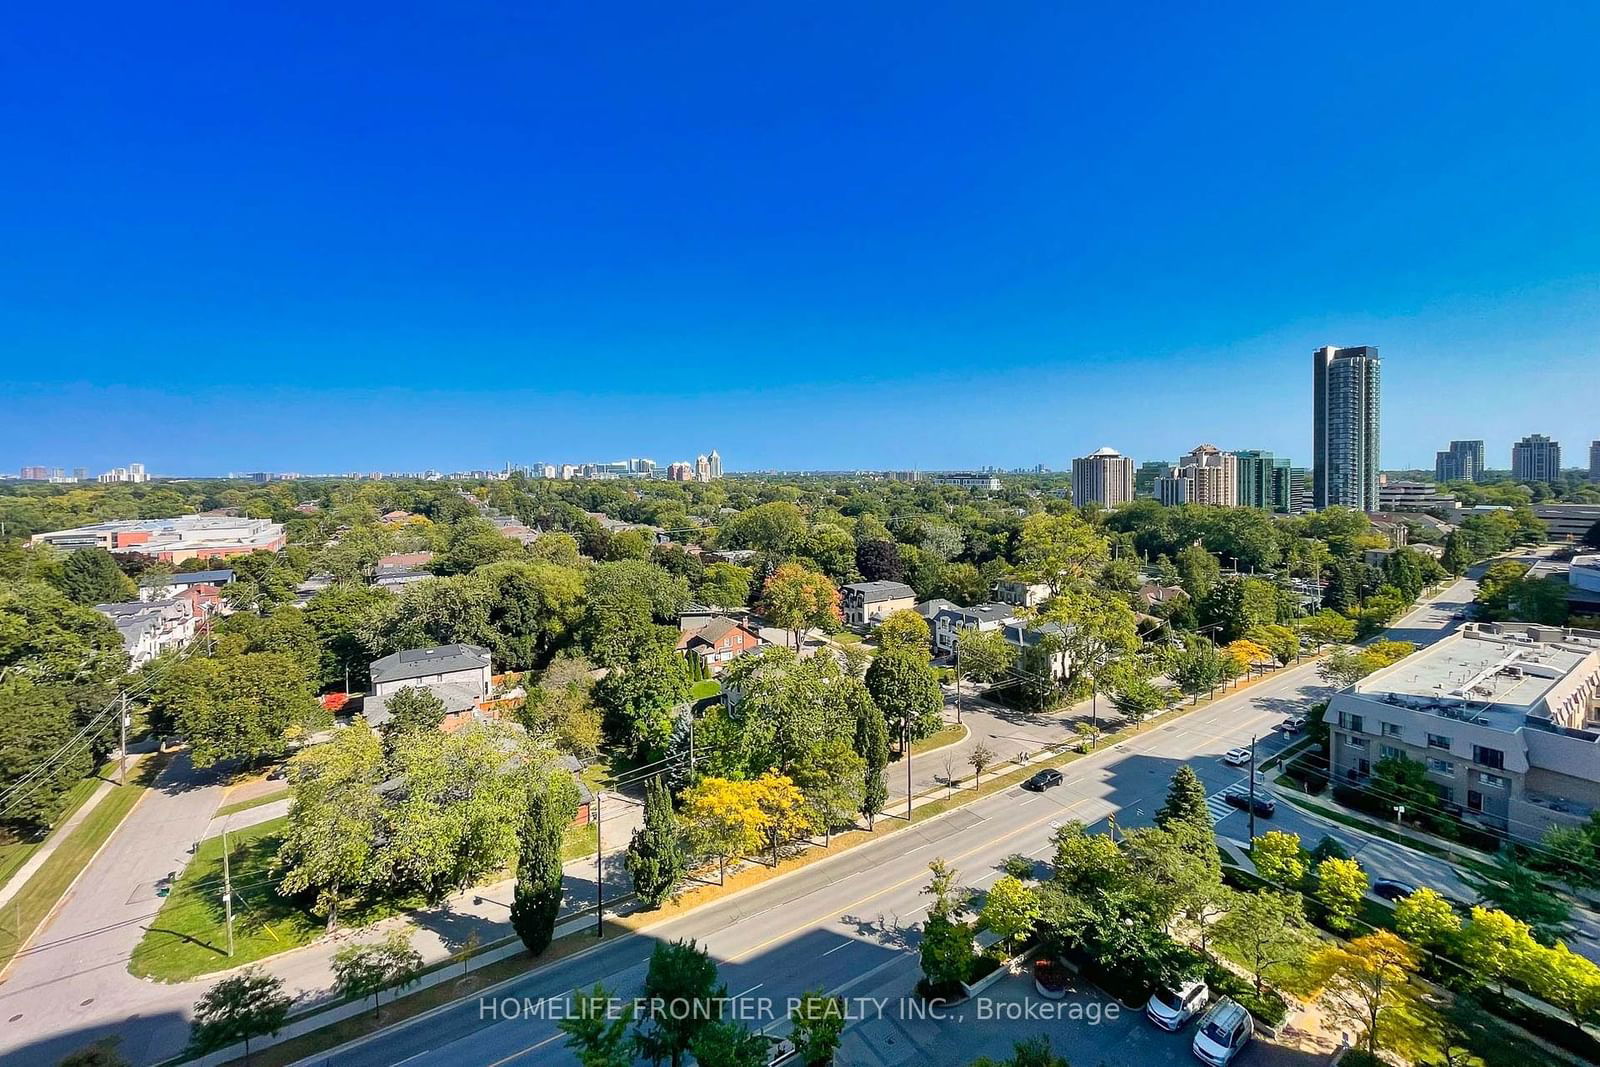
1504 716
1567 523
966 480
173 540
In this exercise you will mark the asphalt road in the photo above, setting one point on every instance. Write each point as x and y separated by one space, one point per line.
848 925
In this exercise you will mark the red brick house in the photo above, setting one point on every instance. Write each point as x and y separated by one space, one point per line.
717 641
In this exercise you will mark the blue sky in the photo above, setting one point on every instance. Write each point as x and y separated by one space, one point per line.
329 238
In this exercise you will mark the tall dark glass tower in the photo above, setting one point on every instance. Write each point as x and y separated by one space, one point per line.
1345 389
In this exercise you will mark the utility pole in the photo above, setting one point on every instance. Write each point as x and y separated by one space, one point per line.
122 755
1252 787
227 888
958 679
908 769
599 873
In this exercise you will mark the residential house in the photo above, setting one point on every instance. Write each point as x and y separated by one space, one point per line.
867 603
948 621
175 584
718 640
149 628
1020 594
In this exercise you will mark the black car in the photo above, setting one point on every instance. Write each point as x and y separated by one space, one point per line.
1048 778
1392 891
1264 803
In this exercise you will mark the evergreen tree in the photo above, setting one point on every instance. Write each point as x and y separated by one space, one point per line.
1186 803
537 898
655 855
872 742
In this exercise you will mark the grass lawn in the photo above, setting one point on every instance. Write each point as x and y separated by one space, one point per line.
189 937
40 894
708 687
598 776
580 841
947 736
253 802
15 854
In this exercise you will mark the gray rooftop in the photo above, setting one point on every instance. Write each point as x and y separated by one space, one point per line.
873 592
421 662
195 578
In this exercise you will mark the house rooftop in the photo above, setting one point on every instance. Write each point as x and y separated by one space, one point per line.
871 592
219 577
421 662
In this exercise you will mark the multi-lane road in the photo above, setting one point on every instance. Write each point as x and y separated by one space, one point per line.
848 924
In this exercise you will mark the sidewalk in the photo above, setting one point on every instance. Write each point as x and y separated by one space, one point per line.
31 866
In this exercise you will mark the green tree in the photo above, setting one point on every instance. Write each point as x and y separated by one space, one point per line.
536 900
1340 887
981 758
680 998
414 708
1032 1052
724 585
1279 858
1198 668
241 1006
1010 909
984 655
37 770
1495 946
1268 933
1368 982
777 527
331 839
872 741
832 776
597 1032
725 1043
102 1053
903 684
473 543
1055 549
655 860
343 616
239 707
1327 627
816 1027
361 971
904 630
639 700
460 798
1427 919
797 599
1186 802
1520 892
91 576
1198 572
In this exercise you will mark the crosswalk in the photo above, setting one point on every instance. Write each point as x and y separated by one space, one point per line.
1218 807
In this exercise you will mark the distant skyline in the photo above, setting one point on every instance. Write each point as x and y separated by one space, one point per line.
930 236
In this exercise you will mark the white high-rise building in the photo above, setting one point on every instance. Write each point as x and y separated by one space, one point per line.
714 461
1536 458
1103 477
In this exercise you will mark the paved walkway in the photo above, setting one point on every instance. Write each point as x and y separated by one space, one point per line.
20 876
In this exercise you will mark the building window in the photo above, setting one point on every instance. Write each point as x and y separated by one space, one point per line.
1440 766
1391 729
1356 742
1447 794
1488 757
1474 800
1493 779
1438 741
1389 752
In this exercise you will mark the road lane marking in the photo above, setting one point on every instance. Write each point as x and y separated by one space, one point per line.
524 1052
836 948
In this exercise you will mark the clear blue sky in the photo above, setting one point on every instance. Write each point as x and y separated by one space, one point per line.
338 237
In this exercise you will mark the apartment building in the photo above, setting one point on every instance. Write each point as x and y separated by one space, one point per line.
1103 477
1346 387
1504 716
1461 462
1536 458
1265 481
1206 476
865 603
149 628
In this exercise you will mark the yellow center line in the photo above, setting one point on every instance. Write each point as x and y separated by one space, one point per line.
836 910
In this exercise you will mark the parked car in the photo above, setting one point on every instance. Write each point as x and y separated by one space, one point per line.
1264 804
1224 1030
1172 1009
1392 890
1293 724
1048 778
1236 756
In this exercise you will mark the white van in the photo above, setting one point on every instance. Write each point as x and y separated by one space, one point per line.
1224 1030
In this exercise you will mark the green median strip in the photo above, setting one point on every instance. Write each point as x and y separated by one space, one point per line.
15 854
253 802
39 896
